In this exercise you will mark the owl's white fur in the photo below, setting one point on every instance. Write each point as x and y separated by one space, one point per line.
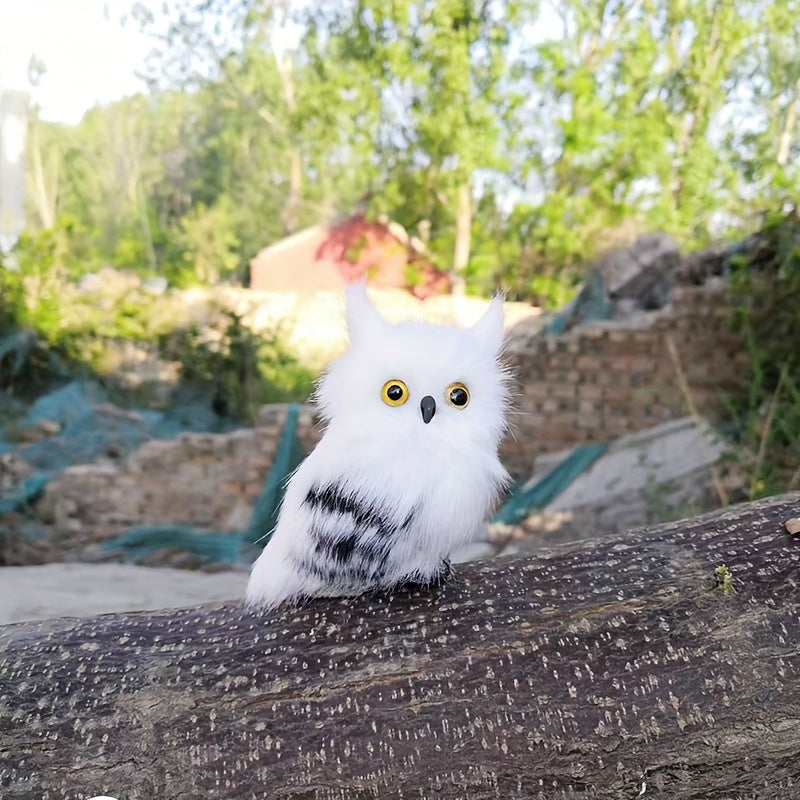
385 497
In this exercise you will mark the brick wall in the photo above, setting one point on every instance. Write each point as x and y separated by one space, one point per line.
205 480
599 381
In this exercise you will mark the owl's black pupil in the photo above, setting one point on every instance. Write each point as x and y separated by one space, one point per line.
394 392
459 397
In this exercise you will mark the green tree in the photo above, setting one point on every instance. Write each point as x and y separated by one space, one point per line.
276 148
432 73
639 90
107 186
766 148
510 136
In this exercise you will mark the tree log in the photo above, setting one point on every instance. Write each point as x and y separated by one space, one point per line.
607 669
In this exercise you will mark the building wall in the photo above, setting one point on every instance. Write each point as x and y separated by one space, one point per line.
322 258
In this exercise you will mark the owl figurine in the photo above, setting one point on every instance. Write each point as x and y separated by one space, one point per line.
407 468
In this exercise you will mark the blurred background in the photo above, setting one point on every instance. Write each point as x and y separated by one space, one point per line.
515 139
184 187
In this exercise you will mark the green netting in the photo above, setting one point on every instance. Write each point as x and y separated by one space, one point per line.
90 427
224 547
591 304
522 502
26 495
288 457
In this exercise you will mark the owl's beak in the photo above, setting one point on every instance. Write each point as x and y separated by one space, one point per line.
428 407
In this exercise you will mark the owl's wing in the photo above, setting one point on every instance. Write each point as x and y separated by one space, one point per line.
336 540
352 534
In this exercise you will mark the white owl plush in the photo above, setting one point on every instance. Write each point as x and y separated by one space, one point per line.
407 468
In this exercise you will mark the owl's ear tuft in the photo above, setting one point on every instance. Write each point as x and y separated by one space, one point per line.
363 319
488 330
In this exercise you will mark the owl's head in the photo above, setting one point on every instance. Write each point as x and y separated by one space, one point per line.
427 382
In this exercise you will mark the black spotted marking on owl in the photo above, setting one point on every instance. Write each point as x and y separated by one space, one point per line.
332 499
352 536
343 549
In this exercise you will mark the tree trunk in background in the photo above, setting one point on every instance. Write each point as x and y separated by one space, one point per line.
789 122
463 236
44 180
291 213
607 669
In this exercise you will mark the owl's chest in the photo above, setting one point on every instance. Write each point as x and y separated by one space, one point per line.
408 460
433 478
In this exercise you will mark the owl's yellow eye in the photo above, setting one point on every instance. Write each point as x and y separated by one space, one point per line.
394 392
457 395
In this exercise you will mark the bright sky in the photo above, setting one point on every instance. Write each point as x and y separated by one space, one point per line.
89 55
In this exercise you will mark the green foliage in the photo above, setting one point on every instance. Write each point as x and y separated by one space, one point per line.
30 300
51 325
210 243
429 76
244 369
766 282
98 328
11 297
36 284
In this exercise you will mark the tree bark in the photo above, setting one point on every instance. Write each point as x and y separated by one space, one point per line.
606 669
